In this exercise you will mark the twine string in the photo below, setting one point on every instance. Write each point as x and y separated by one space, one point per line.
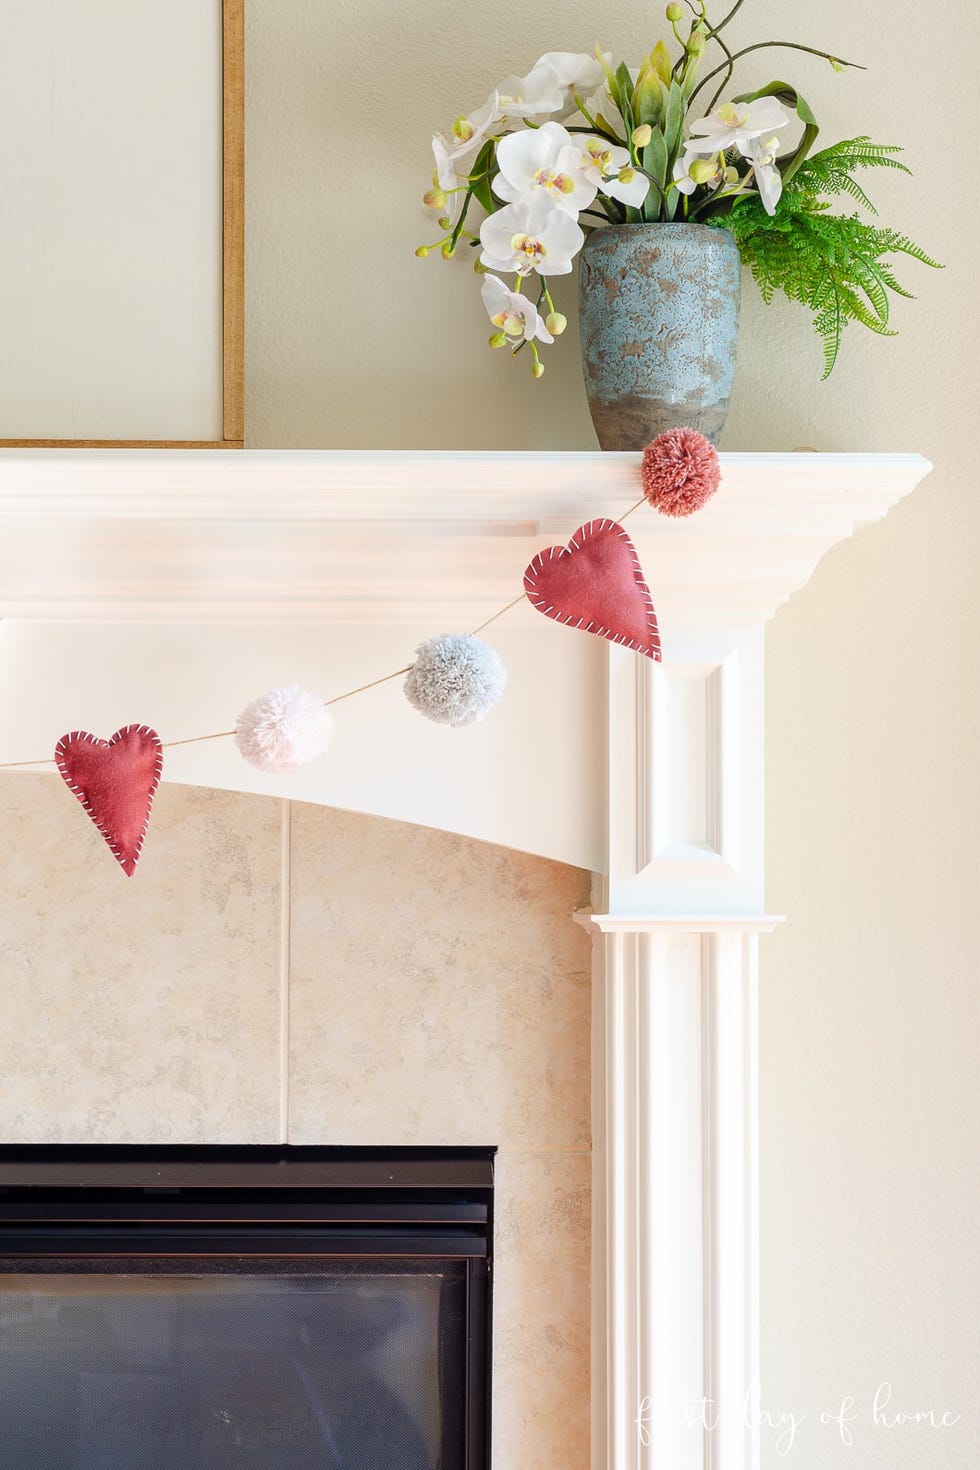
337 699
196 739
499 614
361 687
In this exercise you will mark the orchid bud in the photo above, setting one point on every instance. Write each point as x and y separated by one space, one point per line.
448 250
462 129
626 174
422 252
642 135
674 13
696 44
497 339
703 170
445 222
434 199
556 323
537 369
731 175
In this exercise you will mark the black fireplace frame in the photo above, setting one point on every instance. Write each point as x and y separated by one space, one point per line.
177 1202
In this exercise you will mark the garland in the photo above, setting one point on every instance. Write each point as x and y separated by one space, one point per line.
594 584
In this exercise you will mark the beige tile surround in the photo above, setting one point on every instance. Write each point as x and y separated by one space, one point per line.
278 970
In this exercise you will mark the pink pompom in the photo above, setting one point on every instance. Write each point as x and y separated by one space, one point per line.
680 471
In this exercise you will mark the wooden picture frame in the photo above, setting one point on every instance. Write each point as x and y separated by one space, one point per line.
232 264
233 222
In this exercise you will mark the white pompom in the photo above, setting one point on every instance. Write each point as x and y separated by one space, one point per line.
456 679
283 730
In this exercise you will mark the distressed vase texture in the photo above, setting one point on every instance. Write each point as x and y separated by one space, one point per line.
658 308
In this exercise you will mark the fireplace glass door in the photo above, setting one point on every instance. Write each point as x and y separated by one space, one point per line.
188 1328
288 1365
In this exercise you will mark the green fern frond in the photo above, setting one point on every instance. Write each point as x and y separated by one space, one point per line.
868 277
892 241
847 185
834 264
894 286
840 159
830 323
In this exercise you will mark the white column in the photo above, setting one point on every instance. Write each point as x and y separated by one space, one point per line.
675 1134
675 1060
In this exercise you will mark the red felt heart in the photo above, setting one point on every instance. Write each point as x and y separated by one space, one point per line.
115 780
596 583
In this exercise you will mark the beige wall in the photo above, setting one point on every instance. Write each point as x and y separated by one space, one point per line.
867 1009
274 971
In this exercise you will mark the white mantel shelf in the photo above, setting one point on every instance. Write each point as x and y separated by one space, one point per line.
397 537
173 587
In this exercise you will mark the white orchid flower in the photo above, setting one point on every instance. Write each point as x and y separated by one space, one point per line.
516 317
546 159
530 235
736 124
602 109
768 179
611 169
531 96
575 70
454 155
448 157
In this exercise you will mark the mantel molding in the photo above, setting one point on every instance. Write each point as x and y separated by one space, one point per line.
351 537
678 923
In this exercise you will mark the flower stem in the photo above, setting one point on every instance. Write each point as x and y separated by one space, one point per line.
597 131
584 110
462 216
730 16
762 46
713 35
741 188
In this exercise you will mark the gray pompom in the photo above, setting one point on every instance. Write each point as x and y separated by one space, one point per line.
456 679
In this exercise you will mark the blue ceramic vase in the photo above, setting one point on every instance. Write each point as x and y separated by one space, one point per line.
658 315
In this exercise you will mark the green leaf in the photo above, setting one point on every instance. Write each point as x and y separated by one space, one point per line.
661 63
648 100
653 161
481 189
674 121
654 158
623 97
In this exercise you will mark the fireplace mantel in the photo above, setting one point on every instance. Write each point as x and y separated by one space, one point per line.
191 582
349 537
